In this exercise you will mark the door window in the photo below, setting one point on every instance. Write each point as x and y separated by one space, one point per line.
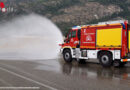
73 34
69 35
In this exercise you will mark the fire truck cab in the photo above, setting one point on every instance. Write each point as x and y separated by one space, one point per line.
106 41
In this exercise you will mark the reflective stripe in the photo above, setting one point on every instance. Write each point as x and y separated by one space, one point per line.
125 60
68 47
87 47
108 47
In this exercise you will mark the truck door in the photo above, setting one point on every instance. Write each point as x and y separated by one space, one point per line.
74 38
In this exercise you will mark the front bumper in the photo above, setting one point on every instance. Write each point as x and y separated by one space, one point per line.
61 50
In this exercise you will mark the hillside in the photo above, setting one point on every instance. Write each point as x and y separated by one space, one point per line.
67 13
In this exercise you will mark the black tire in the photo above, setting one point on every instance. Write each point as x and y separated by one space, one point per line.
67 56
105 59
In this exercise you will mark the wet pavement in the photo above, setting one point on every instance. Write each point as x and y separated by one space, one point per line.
55 74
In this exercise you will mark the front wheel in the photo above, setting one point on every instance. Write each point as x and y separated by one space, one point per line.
105 59
67 55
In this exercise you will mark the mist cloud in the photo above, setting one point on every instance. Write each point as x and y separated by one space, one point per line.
29 37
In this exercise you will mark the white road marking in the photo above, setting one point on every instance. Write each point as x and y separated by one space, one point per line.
30 75
20 88
29 79
6 83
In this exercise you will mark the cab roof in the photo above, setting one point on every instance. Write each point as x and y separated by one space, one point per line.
109 23
117 24
102 24
76 27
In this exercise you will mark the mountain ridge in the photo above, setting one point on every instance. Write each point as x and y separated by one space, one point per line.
67 13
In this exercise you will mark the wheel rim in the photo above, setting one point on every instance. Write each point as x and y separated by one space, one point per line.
105 59
67 56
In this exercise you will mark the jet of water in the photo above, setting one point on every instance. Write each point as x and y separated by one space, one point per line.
29 37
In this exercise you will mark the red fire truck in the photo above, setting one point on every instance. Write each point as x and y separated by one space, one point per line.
107 41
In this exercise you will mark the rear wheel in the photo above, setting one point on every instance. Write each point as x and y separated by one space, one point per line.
105 59
67 55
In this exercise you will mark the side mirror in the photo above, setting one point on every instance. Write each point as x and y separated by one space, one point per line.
66 36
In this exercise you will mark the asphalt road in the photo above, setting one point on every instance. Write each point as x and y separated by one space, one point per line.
55 74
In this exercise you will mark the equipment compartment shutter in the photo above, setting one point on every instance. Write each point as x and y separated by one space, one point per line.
109 37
